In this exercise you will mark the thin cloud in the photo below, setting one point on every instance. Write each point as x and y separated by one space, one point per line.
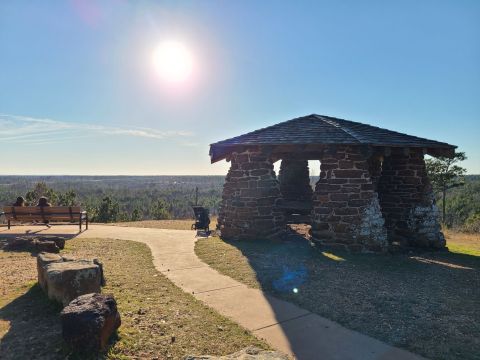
24 129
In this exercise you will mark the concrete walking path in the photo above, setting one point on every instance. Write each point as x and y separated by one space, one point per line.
284 326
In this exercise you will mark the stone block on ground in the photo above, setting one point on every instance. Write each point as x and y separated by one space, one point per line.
69 279
37 243
58 240
89 321
64 278
249 353
46 245
43 259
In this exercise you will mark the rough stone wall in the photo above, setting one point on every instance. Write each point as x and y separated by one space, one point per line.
406 198
346 207
249 202
375 169
294 178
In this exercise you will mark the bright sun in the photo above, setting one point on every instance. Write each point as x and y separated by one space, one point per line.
173 61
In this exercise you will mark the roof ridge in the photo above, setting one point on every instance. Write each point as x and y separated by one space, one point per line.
385 129
265 128
332 122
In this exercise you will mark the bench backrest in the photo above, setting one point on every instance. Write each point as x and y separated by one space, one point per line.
42 213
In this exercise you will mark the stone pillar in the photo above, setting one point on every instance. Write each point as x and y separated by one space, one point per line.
375 169
346 207
294 178
407 201
249 202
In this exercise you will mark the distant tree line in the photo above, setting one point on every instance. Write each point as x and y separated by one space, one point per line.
132 198
117 199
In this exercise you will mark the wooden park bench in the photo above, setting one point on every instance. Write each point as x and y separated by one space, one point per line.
70 214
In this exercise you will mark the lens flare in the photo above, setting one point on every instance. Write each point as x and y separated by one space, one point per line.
173 61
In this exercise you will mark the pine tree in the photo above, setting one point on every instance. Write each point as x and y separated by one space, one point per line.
445 175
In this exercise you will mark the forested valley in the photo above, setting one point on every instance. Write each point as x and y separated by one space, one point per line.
133 198
119 198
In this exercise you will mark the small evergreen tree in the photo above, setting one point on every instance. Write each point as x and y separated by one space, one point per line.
67 199
136 215
445 175
160 210
108 211
41 189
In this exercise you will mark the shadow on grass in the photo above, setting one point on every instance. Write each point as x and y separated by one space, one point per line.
426 302
34 329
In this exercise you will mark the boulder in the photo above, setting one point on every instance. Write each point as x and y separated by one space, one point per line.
249 353
65 278
43 259
37 243
46 245
102 277
58 240
89 321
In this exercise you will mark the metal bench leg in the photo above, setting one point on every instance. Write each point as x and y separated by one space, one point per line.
80 224
86 222
8 224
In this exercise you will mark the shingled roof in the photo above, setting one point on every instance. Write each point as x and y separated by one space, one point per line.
324 130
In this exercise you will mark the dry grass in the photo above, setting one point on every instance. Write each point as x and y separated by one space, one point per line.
184 224
424 302
159 321
463 243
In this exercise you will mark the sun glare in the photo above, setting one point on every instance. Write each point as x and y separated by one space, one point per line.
173 61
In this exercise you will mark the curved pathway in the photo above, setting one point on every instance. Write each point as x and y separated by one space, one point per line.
284 326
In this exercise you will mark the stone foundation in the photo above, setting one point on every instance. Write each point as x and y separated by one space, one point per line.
406 198
249 201
346 208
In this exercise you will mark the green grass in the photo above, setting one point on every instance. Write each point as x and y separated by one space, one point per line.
158 319
463 249
425 302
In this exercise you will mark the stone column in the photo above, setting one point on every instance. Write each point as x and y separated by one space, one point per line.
375 169
249 202
294 178
407 201
346 208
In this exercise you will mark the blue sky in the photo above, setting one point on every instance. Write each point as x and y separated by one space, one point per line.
79 94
